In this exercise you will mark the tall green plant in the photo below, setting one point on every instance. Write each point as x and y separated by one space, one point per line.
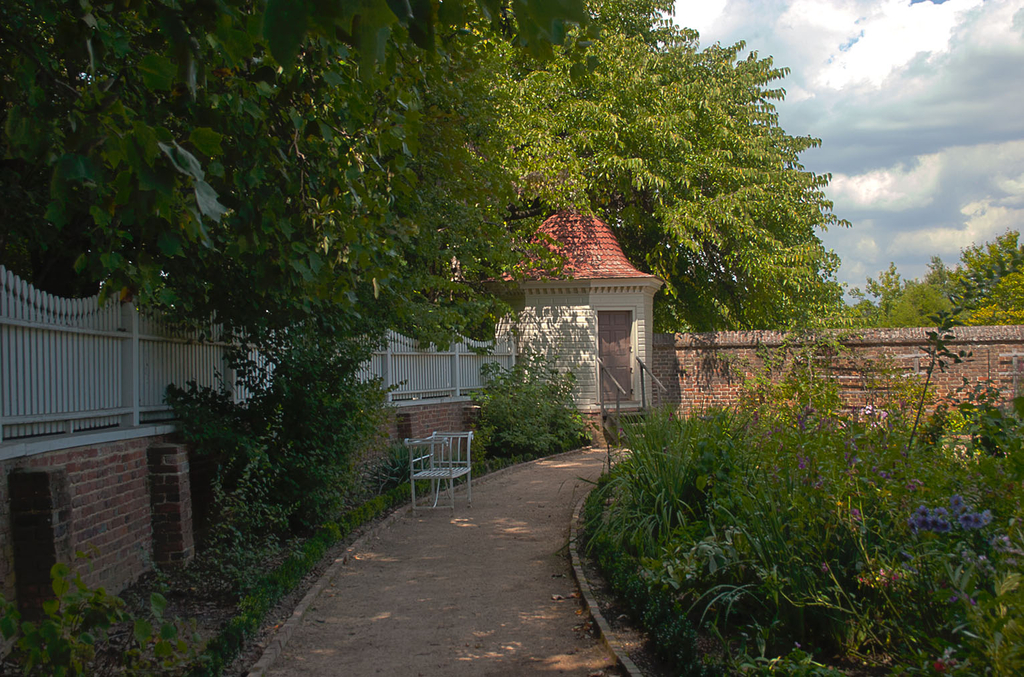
664 481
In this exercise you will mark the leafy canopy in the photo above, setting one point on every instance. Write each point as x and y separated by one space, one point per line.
679 151
267 161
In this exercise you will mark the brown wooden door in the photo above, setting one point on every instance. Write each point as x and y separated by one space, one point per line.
614 328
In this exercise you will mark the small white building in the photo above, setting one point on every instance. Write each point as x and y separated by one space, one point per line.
598 322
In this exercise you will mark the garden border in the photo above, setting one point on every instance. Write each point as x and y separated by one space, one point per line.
608 636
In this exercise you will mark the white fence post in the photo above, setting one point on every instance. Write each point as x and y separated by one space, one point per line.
130 367
457 370
389 371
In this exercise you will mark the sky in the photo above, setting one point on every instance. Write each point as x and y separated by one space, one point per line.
919 105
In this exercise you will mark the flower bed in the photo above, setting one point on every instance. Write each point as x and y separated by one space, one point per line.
809 543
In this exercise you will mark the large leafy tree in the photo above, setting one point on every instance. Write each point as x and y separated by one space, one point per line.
680 151
264 161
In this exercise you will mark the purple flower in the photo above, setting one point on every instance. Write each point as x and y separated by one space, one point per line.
855 514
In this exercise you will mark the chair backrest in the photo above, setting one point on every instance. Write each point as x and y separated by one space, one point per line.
457 447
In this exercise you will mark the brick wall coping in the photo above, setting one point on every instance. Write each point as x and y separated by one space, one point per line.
859 337
41 445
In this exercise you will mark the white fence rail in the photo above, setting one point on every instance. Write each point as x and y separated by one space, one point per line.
412 373
72 366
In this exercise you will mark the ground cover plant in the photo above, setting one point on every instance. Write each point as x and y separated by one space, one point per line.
811 540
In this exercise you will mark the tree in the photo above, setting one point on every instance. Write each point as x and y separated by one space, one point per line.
989 281
902 303
260 161
680 152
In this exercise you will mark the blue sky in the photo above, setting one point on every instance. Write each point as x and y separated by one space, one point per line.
920 109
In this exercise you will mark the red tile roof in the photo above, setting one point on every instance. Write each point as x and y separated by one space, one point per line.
589 247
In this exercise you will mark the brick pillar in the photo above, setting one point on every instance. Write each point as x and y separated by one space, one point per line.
40 533
403 422
170 498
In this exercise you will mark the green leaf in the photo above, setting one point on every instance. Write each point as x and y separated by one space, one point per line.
184 161
143 631
284 27
158 604
157 71
76 168
237 44
206 141
206 198
163 649
169 244
421 27
51 606
168 631
8 626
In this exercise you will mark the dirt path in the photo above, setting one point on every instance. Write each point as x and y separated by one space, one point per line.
474 593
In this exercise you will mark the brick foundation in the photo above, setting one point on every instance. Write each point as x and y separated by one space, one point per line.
107 506
40 518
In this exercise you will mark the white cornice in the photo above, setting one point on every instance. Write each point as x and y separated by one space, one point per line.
625 285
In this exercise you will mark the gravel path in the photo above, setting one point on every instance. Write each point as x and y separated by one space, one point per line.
484 591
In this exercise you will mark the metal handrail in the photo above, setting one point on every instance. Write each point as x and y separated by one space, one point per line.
643 385
619 392
653 377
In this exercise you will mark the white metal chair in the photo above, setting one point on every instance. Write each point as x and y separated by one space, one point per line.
441 457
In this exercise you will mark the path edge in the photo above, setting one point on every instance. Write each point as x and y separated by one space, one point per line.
607 635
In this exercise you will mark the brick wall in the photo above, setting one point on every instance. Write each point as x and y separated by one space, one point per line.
422 419
702 370
109 510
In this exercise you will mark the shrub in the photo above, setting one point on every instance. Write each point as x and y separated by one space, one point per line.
286 453
528 410
76 623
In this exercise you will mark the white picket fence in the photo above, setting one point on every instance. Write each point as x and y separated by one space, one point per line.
412 373
71 366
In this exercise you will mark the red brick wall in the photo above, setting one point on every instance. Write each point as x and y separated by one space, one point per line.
422 419
110 510
702 370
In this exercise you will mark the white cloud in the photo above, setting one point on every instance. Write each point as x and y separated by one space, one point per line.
919 107
867 248
984 221
893 189
1014 189
885 38
701 15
